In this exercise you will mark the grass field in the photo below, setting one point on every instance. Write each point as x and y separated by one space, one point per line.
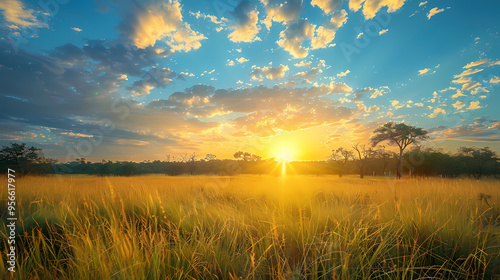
255 227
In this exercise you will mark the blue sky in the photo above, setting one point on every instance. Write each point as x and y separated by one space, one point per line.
128 80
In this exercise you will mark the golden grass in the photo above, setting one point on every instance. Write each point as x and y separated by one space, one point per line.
255 227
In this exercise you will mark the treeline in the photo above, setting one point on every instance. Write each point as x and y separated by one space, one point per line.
419 161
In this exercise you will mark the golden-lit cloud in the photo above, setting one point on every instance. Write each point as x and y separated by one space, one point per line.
327 6
434 11
462 80
155 21
458 105
272 73
476 63
294 35
303 64
458 94
495 80
15 13
281 11
423 71
371 7
474 105
246 27
436 112
310 75
383 31
325 34
470 85
343 74
468 72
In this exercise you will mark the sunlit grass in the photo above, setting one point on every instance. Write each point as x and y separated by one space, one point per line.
255 227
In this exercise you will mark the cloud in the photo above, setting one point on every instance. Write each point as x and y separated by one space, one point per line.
281 11
458 105
476 63
325 34
294 35
211 18
479 131
245 29
462 80
371 7
478 90
495 80
468 72
474 105
310 75
383 31
15 13
145 23
303 64
373 92
76 29
433 12
343 74
422 3
458 94
155 77
241 60
436 112
423 71
394 102
328 6
272 73
470 85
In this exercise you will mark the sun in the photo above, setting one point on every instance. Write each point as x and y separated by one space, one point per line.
285 155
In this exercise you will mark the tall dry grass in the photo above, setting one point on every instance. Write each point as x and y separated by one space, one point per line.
255 227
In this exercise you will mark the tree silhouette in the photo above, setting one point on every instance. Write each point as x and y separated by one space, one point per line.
190 160
400 135
246 156
24 159
341 156
363 155
479 162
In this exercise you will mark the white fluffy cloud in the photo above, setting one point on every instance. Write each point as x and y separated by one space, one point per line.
294 35
245 28
281 11
155 21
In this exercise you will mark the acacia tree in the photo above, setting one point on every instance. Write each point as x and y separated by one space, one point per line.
401 135
341 156
363 155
